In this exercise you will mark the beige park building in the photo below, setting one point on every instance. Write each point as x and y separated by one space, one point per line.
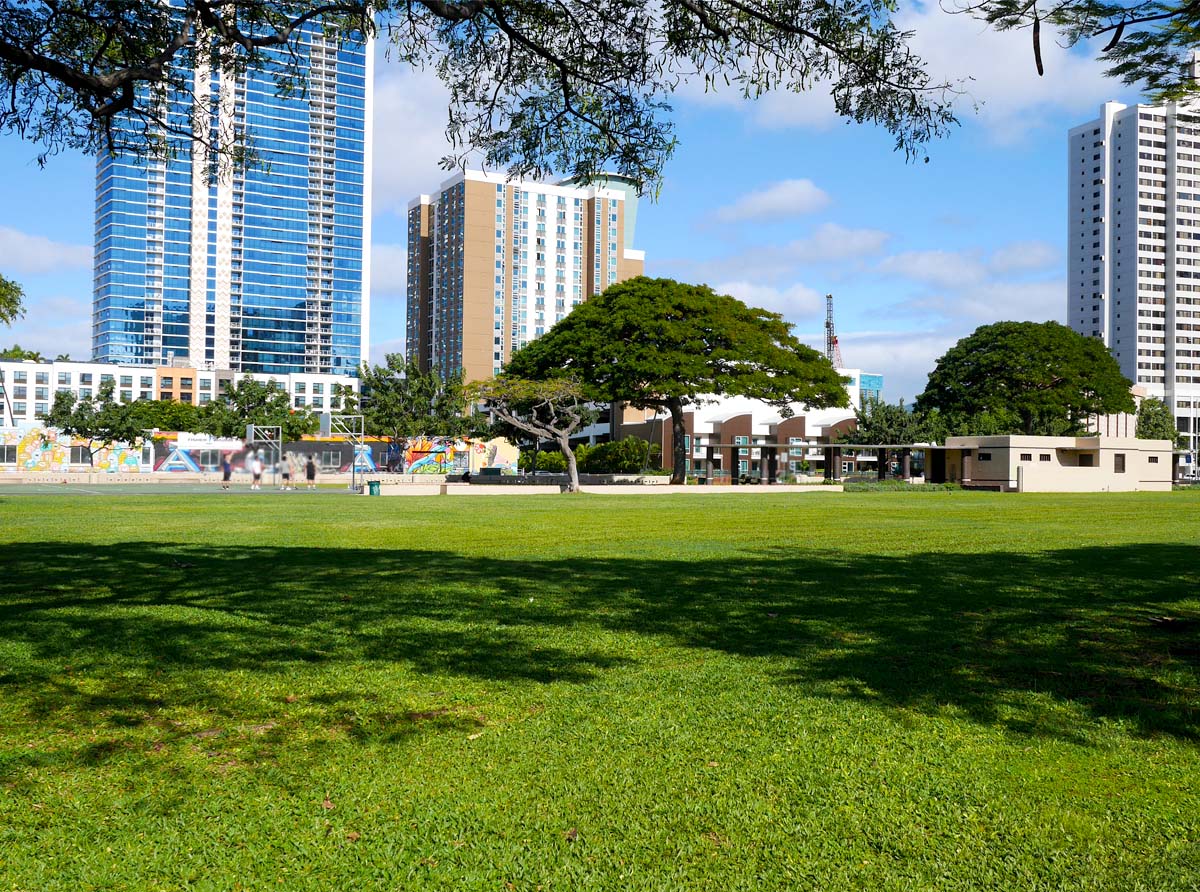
493 263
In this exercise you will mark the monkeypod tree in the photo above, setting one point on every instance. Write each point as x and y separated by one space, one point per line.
551 409
662 344
1043 376
571 86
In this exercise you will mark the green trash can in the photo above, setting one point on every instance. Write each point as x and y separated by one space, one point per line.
372 487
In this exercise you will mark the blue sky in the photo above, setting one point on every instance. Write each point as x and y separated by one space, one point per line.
775 201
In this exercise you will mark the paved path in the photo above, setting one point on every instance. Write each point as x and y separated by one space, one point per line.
157 489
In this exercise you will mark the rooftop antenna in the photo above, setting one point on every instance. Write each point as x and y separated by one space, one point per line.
832 351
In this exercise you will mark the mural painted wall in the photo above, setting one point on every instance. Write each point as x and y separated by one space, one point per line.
40 450
447 455
43 450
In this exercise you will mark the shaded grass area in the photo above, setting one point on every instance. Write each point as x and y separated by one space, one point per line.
968 691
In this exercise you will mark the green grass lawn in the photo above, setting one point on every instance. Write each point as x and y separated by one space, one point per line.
817 692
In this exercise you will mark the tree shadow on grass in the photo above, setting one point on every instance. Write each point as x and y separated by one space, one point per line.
1039 643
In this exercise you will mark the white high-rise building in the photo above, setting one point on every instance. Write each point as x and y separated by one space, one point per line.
1134 246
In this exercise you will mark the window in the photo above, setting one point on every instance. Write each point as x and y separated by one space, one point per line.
166 383
127 380
18 408
41 377
299 389
127 396
20 377
740 441
1044 457
1026 456
41 408
105 378
20 392
8 455
147 381
64 378
1118 463
318 388
985 456
318 402
299 402
41 393
206 383
79 455
1153 459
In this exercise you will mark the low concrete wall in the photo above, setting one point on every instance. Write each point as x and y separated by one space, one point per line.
484 489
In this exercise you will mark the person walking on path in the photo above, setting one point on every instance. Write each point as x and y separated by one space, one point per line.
310 473
256 470
226 471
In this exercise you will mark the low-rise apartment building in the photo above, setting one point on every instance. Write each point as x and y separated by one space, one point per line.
27 387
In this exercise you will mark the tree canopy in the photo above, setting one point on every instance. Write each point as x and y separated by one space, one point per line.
1155 422
255 402
399 402
658 343
97 421
571 86
17 352
1030 377
11 296
551 409
879 423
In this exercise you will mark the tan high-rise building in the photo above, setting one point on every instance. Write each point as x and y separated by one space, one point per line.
493 264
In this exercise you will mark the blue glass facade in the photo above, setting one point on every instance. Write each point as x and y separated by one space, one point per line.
258 268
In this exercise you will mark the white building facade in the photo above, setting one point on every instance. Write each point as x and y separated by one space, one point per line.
1134 246
27 388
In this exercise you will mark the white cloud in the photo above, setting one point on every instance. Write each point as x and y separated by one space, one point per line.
947 269
54 325
793 302
829 243
26 254
1003 90
787 198
382 348
389 269
993 301
905 359
1021 256
410 135
1013 99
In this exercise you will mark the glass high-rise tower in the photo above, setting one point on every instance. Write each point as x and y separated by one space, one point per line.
261 267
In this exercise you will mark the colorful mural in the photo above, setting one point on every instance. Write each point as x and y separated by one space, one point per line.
41 450
446 455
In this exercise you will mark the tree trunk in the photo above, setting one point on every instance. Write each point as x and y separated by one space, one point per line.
564 445
678 448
